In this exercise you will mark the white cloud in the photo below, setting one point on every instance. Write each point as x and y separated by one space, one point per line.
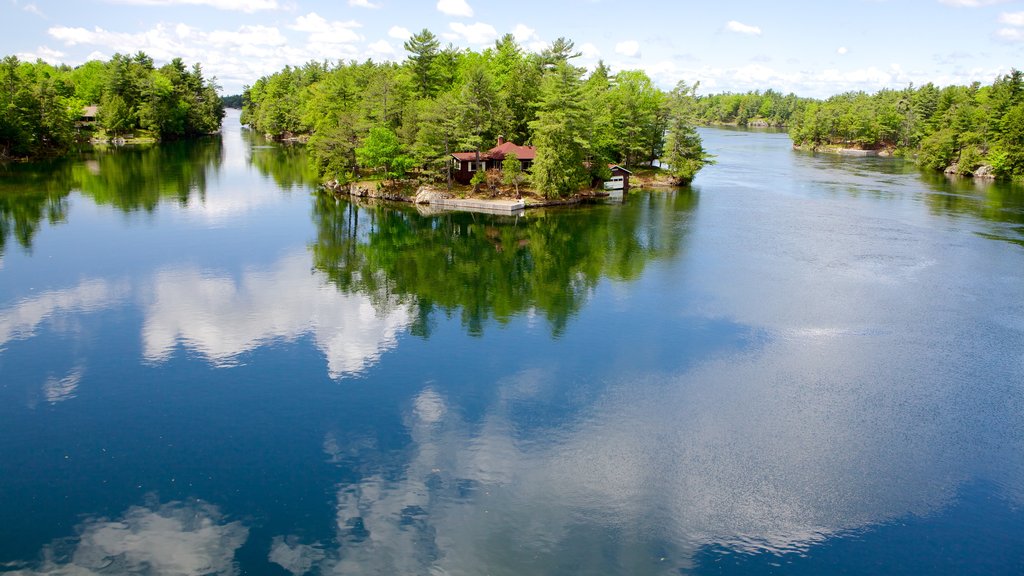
741 28
362 4
33 9
1012 18
381 48
44 53
455 8
399 33
589 51
842 50
971 3
1011 34
476 33
322 31
629 48
524 33
248 6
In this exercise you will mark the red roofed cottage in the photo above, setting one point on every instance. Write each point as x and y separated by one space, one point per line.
464 164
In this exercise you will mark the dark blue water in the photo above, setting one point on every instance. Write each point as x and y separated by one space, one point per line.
801 365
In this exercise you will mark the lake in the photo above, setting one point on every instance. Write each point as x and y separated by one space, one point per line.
802 364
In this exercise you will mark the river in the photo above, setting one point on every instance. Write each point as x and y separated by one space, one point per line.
802 364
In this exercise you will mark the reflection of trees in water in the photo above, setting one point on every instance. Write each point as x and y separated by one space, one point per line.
30 193
131 178
999 203
493 266
140 177
285 163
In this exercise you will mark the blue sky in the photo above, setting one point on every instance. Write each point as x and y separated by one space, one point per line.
813 48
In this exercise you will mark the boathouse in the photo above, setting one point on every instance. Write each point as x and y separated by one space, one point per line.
619 179
465 164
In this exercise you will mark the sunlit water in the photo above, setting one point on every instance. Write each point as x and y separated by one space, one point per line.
801 365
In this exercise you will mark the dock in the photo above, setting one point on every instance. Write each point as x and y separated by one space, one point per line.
500 207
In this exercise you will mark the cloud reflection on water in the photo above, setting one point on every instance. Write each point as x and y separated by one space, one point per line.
773 450
182 538
221 317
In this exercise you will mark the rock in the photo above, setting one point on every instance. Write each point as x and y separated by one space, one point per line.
985 172
953 168
426 195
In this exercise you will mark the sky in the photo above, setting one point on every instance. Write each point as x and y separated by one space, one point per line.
813 48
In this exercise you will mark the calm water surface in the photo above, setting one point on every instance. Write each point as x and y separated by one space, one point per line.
800 365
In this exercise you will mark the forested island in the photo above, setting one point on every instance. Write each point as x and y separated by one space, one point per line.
398 120
47 110
964 130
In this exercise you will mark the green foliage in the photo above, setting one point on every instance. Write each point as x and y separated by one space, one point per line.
381 150
559 133
768 108
42 104
444 100
512 173
965 127
479 177
684 152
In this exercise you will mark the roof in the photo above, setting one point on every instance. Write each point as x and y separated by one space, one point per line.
499 152
89 111
614 166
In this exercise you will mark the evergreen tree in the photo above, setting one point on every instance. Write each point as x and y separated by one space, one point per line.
559 133
423 51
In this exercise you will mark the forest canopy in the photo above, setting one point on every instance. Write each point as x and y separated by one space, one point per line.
443 100
44 106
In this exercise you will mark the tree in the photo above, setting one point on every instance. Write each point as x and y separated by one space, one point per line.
684 152
559 133
512 171
423 51
381 149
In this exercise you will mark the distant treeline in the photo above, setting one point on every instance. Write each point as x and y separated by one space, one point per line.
963 128
768 108
43 107
232 101
389 118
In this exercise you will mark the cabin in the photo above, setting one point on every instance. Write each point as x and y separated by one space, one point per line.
619 179
465 164
88 115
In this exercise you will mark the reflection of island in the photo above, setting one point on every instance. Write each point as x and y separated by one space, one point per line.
286 163
1001 204
491 266
131 179
28 195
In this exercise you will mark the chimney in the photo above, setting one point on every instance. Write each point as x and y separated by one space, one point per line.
501 140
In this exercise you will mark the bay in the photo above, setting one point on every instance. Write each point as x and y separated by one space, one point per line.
800 364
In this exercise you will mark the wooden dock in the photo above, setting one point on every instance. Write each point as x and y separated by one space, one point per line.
501 207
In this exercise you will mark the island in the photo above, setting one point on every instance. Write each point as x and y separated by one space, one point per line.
433 121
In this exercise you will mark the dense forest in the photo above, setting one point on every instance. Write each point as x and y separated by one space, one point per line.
390 118
765 109
967 130
44 107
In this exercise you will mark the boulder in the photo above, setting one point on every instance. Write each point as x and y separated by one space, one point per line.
953 168
426 195
985 172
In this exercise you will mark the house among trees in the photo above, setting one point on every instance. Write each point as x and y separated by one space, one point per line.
465 164
88 115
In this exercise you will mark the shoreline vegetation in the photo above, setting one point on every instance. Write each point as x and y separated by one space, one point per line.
393 124
50 110
397 123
